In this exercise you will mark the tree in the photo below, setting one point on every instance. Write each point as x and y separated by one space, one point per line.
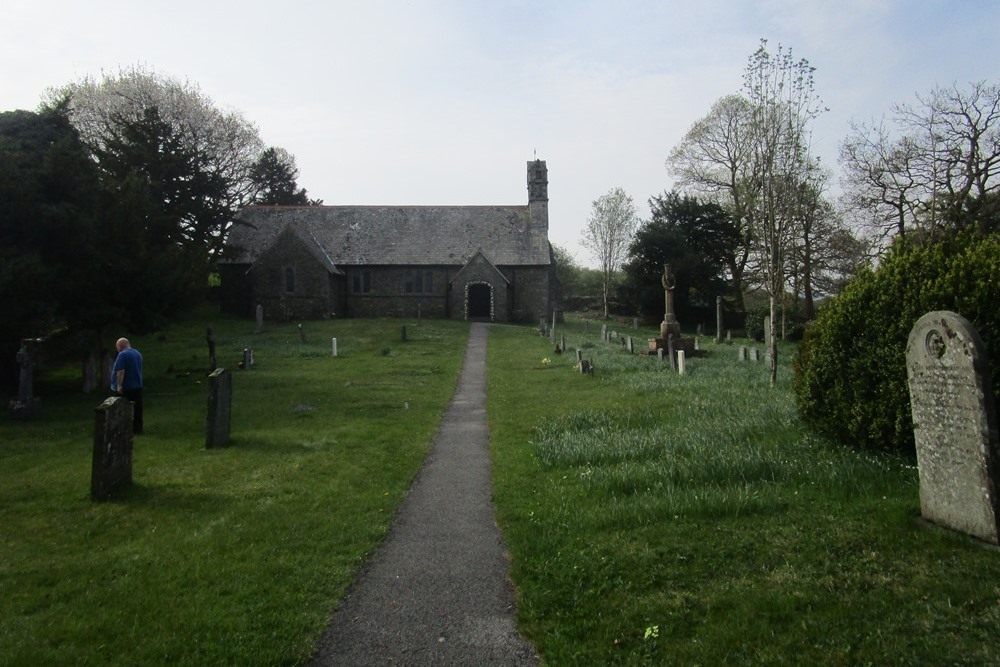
927 170
227 146
694 237
607 235
714 161
274 177
49 235
782 103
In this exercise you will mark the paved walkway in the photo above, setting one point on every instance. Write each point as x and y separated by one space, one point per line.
437 592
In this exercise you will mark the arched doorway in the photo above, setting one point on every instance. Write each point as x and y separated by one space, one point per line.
479 301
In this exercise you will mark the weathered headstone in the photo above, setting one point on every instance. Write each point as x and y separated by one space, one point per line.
302 333
754 354
334 346
718 319
26 404
696 345
680 362
659 355
742 354
635 324
729 337
604 332
586 366
260 319
111 464
210 338
220 408
671 353
954 425
630 345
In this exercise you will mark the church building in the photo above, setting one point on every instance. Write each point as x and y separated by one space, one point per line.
490 263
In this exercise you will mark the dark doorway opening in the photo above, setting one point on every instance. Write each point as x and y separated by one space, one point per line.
480 302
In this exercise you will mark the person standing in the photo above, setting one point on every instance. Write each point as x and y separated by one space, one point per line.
126 379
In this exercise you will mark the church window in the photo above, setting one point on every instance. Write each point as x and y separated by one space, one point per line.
289 280
362 282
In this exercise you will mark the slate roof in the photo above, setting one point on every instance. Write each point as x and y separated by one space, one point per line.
397 235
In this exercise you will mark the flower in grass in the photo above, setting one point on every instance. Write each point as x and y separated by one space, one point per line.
546 361
652 632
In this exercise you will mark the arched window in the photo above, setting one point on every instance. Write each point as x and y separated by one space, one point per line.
289 280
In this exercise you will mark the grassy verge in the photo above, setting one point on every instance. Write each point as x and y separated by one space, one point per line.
226 556
658 519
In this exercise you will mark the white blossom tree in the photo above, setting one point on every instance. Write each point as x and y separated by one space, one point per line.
608 234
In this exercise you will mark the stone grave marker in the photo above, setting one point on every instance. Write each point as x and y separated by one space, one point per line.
302 333
954 425
671 353
729 337
635 324
659 355
586 366
604 332
742 354
718 319
333 345
754 355
697 347
210 339
111 463
26 405
680 362
220 408
630 345
579 356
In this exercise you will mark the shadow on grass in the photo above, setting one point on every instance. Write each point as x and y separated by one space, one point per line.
164 497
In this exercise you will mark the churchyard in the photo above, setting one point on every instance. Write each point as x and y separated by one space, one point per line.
651 517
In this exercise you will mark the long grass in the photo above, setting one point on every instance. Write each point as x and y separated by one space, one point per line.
235 555
662 519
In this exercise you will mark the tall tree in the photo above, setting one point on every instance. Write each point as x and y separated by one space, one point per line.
782 100
927 170
226 144
607 235
694 237
714 160
275 176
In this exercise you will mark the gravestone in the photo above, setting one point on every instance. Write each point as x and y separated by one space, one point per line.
586 366
718 319
729 337
302 333
111 464
579 356
210 338
671 353
248 361
754 354
334 346
697 347
635 324
220 408
669 325
699 330
680 362
954 425
604 332
742 354
630 345
260 319
26 405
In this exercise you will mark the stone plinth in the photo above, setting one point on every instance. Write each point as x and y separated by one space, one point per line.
111 466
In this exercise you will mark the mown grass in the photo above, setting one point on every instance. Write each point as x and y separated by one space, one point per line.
659 519
226 556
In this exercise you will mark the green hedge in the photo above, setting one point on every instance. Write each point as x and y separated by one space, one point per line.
850 374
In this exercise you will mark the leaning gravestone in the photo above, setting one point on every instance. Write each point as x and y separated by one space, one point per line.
954 425
111 465
220 408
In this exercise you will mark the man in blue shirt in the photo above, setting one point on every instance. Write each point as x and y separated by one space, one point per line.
126 379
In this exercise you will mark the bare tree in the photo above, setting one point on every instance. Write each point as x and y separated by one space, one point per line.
609 233
782 100
924 171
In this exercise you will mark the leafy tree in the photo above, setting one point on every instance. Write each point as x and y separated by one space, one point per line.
607 235
225 145
274 176
49 236
714 160
695 238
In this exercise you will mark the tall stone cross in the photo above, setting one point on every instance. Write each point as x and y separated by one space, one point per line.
670 325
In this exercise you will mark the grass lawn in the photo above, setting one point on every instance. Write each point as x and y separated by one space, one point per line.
659 519
227 556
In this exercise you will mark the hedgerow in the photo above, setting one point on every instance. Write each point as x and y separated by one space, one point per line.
850 373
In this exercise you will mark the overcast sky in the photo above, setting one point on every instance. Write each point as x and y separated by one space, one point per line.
444 101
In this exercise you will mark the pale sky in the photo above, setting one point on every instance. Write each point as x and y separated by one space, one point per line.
444 101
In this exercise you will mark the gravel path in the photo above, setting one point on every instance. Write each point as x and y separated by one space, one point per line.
437 591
